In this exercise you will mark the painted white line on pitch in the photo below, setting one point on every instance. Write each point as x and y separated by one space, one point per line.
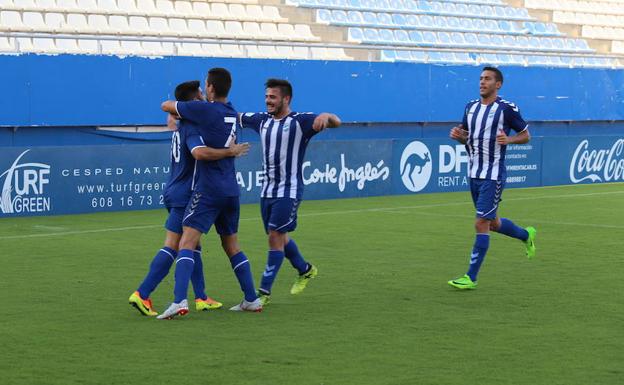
354 211
599 225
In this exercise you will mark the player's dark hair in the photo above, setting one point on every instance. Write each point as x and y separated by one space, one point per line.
283 85
187 91
499 74
221 80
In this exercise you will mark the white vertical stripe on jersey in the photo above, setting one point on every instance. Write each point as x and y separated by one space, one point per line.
265 166
294 176
487 135
283 155
272 150
477 149
497 147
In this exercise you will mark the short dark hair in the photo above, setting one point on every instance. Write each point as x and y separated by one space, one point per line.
186 91
221 80
283 85
499 74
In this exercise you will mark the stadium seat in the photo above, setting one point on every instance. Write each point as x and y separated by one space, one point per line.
272 13
220 11
131 47
68 5
287 32
416 37
212 49
43 45
140 25
87 6
418 56
110 47
148 8
300 52
339 17
355 35
403 56
386 36
444 38
98 23
384 20
239 12
371 35
304 31
231 50
234 29
88 46
190 49
107 6
128 7
355 18
271 31
216 28
458 39
453 23
388 55
159 26
12 21
412 20
67 46
77 22
401 37
117 23
197 27
429 38
33 21
184 8
369 19
324 16
203 10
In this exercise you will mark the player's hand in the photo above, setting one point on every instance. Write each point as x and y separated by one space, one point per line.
502 138
240 149
458 133
172 122
321 122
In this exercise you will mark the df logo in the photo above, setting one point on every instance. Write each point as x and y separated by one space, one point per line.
415 166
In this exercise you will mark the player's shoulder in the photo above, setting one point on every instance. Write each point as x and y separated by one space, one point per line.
472 103
508 105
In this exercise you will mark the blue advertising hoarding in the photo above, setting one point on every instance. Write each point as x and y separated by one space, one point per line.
82 179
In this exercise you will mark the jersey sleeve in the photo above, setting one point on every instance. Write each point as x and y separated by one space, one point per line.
194 139
514 119
253 120
193 111
465 119
306 121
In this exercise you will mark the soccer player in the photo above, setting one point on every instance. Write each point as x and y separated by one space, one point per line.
176 195
485 131
285 136
215 198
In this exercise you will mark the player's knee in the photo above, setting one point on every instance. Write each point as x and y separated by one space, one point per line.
230 245
277 240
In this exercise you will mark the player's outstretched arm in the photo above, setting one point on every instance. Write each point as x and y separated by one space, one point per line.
520 138
459 134
170 107
209 153
326 120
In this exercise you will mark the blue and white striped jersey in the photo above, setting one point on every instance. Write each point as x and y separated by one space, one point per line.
486 158
284 142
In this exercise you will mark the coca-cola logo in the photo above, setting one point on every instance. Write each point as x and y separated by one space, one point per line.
597 165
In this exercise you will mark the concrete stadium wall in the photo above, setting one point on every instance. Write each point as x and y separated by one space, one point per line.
80 90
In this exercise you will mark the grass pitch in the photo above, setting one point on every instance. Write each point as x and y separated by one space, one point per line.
380 311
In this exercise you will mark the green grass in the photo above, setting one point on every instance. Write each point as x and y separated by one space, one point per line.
380 311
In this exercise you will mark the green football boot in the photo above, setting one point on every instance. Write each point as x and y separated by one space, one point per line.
302 281
530 243
463 283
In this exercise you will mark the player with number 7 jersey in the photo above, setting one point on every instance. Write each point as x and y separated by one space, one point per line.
215 197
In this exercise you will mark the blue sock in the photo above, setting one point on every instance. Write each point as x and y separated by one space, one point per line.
159 269
294 256
240 265
274 262
183 271
480 248
510 229
197 278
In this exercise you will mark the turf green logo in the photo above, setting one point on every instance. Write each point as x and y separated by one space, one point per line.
23 187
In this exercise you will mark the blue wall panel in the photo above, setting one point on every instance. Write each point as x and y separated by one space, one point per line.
80 90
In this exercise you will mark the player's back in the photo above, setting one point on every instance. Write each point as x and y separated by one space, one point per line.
216 125
178 190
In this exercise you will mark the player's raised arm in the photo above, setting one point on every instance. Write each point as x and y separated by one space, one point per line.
326 120
171 107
